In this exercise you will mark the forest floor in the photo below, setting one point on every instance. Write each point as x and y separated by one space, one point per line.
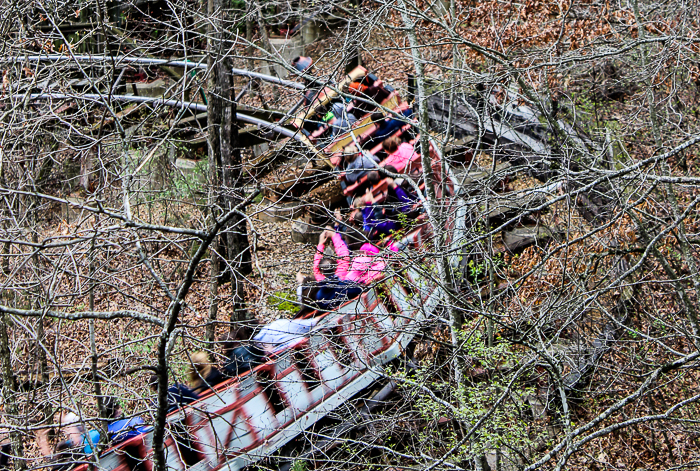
277 259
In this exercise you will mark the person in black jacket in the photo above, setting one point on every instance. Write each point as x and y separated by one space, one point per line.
179 395
240 357
332 292
5 455
386 126
203 375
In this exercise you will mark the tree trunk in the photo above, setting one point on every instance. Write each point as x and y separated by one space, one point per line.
431 202
210 333
225 158
9 389
95 357
85 171
354 56
43 368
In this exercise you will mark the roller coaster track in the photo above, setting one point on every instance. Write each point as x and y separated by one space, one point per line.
252 416
265 125
128 60
287 126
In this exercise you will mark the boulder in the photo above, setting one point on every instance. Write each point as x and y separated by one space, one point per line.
192 168
277 212
304 232
287 48
70 212
155 89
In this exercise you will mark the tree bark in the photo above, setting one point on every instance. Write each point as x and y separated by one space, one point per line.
225 160
210 333
43 368
213 119
9 390
95 357
431 203
85 171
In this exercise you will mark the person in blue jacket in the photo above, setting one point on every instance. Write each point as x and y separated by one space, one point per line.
386 126
332 292
119 428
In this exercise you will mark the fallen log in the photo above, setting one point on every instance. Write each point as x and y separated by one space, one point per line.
519 238
500 206
476 180
328 194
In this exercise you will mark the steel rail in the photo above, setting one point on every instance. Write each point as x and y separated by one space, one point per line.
261 123
195 65
147 61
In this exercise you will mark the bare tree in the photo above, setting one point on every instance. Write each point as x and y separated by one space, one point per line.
564 135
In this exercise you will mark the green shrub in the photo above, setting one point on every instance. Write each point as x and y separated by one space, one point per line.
283 300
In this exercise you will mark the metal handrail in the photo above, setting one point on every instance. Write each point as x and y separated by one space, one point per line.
148 61
266 125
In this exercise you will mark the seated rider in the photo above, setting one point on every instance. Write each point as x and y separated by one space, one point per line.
306 294
333 292
368 265
332 288
386 126
377 221
399 153
375 93
282 333
77 445
365 267
77 435
324 266
203 374
5 455
376 176
342 121
241 358
357 164
121 429
178 396
303 63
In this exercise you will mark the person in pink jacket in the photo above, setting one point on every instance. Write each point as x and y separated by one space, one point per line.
399 153
367 266
324 269
324 266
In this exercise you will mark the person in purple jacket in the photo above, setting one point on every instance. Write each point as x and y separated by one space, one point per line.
381 221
